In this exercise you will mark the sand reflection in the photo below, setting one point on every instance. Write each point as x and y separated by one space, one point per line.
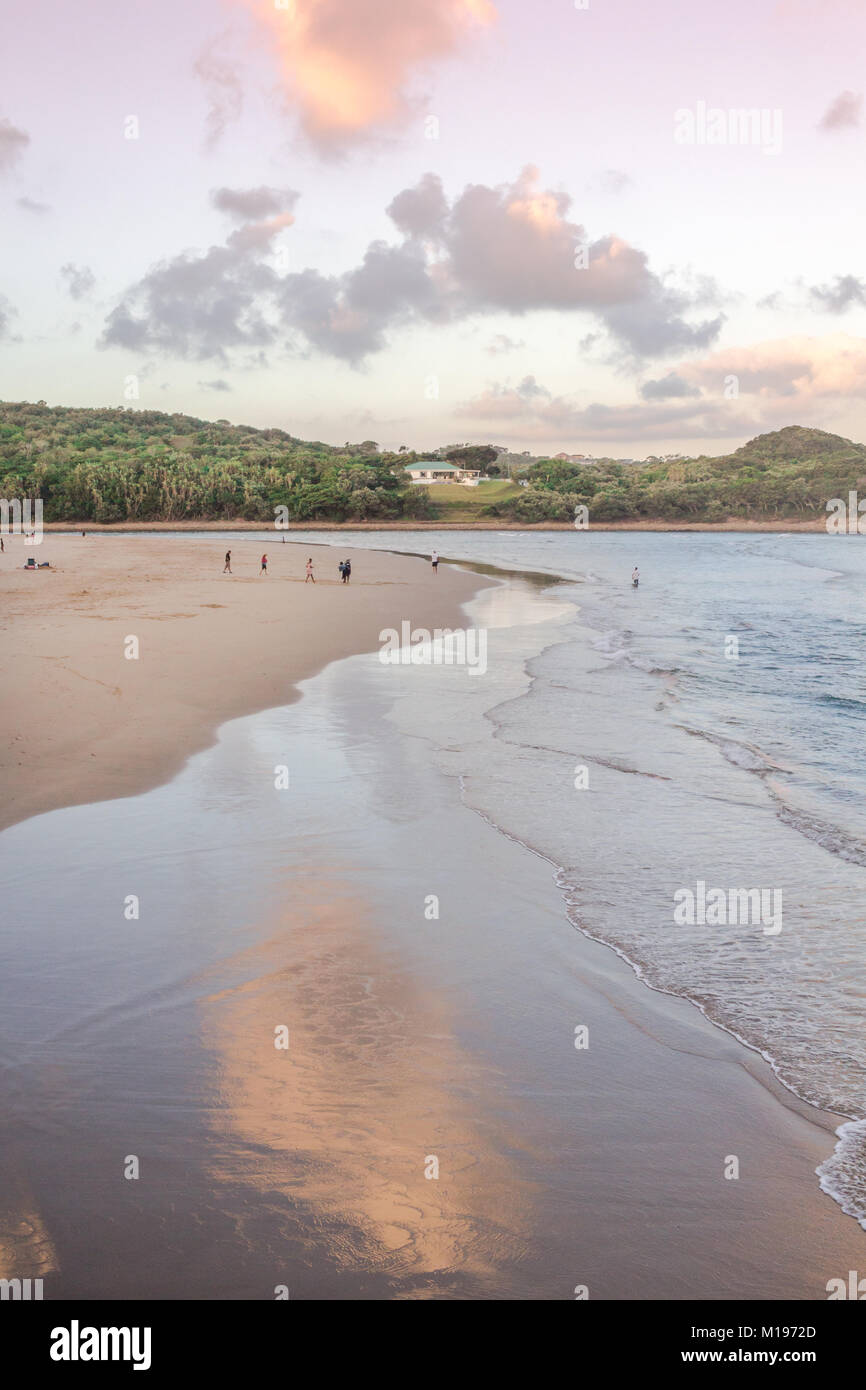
372 1087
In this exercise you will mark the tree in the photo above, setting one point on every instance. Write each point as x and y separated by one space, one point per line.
472 455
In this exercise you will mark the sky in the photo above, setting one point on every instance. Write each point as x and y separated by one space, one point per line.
601 227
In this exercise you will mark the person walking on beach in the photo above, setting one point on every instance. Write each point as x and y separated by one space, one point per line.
434 560
264 568
310 574
227 567
342 568
347 571
635 577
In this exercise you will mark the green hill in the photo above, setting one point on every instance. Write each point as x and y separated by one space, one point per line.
797 444
788 474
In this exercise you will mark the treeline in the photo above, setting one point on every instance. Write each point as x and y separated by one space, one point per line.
790 473
118 464
143 465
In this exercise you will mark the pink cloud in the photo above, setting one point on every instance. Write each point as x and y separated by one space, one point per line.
806 368
349 67
731 393
509 248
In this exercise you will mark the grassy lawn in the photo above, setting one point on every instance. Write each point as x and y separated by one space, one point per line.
451 502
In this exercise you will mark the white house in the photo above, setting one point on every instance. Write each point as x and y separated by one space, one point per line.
432 471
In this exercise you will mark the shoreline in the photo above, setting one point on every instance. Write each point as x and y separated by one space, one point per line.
814 524
831 1121
92 725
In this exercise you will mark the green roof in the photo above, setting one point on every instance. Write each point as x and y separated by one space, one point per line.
427 464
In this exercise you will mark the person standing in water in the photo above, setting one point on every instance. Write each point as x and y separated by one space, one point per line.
434 560
310 574
227 567
635 577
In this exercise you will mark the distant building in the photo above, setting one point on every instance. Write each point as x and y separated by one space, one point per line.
432 471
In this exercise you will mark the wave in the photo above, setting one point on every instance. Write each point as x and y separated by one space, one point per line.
744 755
649 668
841 701
831 837
843 1175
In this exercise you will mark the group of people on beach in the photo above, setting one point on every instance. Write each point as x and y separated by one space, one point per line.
345 568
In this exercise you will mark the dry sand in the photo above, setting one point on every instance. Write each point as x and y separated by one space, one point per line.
84 723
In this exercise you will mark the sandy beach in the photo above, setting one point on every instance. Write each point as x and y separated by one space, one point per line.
410 1040
85 723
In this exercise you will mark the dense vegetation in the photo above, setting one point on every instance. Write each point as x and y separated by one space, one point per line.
142 465
791 473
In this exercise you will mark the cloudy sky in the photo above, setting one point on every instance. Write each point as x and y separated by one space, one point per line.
600 227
